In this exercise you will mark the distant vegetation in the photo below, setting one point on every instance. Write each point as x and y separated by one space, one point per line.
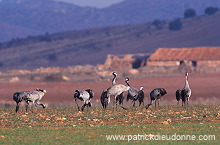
91 46
158 24
175 25
20 18
1 64
211 10
189 13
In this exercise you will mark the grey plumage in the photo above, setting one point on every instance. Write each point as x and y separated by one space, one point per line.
18 98
84 96
116 90
104 99
178 95
155 96
135 94
119 98
28 97
141 96
185 93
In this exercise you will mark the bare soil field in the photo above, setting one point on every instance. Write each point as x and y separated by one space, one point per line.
67 125
205 89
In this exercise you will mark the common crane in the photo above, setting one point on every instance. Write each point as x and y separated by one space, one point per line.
84 96
28 97
155 96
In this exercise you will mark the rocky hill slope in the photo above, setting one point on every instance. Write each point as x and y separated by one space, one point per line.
22 18
92 46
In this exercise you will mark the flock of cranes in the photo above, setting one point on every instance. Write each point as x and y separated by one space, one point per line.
115 90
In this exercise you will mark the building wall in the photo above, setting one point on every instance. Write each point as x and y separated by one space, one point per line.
163 63
212 63
119 61
126 61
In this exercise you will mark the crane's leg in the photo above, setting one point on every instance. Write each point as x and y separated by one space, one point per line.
151 103
116 104
27 104
158 103
140 102
77 104
185 104
87 107
133 103
84 105
113 104
17 107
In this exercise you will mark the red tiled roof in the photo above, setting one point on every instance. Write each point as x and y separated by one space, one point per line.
197 53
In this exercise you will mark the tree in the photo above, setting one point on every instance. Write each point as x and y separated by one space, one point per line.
158 23
189 13
175 25
1 64
211 10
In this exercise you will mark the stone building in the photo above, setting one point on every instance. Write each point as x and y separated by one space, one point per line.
192 59
126 61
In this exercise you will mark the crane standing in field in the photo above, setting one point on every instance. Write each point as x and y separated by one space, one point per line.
186 92
115 90
155 96
135 94
119 98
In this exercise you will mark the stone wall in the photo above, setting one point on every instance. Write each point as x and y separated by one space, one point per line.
127 61
211 63
163 63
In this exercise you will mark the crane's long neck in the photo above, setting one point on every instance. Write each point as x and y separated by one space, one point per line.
186 82
126 81
128 86
114 80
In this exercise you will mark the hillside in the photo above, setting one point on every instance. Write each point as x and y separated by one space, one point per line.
22 18
91 46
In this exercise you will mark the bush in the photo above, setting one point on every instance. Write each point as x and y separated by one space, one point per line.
189 13
158 23
46 37
1 64
175 25
52 57
211 10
